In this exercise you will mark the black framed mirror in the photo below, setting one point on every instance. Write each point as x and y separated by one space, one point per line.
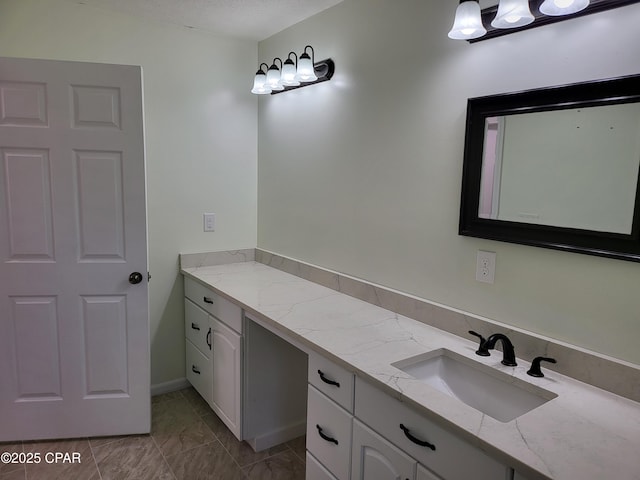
556 167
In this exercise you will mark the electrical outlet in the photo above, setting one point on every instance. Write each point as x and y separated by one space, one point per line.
209 220
486 266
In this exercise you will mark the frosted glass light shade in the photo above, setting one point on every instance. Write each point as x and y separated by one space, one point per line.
513 14
468 22
259 84
557 8
288 77
273 78
306 72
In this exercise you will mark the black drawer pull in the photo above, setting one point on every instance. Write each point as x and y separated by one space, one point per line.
207 300
422 443
209 339
326 380
325 436
194 369
195 326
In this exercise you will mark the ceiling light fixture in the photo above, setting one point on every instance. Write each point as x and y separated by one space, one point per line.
510 16
292 74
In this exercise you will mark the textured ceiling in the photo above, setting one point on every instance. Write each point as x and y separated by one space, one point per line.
249 19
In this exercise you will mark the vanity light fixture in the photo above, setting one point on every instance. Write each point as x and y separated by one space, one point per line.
510 16
292 74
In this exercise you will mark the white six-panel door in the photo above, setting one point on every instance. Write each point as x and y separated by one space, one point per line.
74 334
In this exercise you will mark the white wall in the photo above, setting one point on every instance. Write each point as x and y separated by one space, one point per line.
362 174
201 136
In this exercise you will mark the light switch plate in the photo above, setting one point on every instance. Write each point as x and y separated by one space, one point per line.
486 266
209 220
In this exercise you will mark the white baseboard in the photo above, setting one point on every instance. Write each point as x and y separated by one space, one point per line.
276 437
171 386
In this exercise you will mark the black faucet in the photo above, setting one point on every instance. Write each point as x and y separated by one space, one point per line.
508 354
486 344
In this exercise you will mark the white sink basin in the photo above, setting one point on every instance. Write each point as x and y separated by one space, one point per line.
484 388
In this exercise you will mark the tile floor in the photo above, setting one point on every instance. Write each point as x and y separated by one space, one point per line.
187 442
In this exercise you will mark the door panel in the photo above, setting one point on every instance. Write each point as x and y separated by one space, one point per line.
105 333
27 186
74 361
100 205
23 104
35 322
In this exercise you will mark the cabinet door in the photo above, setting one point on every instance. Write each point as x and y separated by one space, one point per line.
227 375
424 474
374 458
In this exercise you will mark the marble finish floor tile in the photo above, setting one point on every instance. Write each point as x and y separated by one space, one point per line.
84 469
10 467
132 458
176 427
283 466
187 442
199 405
20 474
207 462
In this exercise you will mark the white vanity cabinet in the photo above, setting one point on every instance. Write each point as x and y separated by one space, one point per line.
329 419
213 331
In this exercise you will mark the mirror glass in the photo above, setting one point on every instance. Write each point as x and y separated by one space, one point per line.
556 167
574 168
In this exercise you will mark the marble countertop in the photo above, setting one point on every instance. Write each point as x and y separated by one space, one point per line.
584 433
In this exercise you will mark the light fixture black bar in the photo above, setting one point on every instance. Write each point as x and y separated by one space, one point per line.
324 70
489 13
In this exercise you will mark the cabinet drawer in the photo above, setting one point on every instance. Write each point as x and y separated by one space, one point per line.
315 470
199 371
219 307
196 327
452 457
329 433
332 380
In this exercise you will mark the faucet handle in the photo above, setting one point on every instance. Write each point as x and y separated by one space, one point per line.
482 348
535 370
